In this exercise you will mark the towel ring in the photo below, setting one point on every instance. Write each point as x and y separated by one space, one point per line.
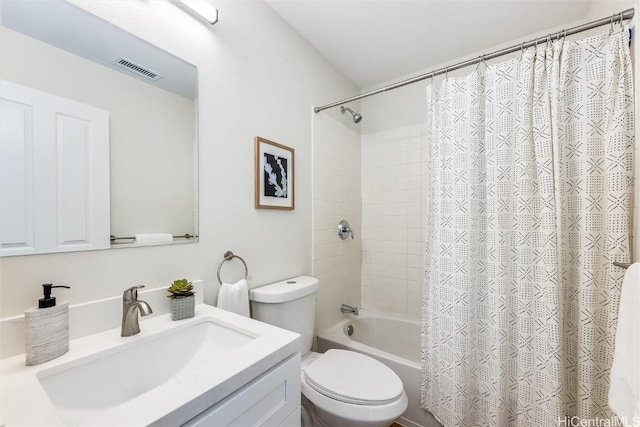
229 256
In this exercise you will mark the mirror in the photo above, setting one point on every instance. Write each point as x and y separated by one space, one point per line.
150 96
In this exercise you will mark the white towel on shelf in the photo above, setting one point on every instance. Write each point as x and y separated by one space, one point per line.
624 392
234 297
145 238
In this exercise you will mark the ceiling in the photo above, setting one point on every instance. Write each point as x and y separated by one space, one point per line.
372 41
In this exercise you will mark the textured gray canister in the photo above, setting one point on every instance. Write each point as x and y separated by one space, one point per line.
46 333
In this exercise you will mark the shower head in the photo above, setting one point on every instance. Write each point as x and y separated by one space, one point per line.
356 117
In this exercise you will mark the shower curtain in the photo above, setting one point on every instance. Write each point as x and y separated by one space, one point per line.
529 204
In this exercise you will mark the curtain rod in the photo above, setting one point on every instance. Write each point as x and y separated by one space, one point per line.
618 17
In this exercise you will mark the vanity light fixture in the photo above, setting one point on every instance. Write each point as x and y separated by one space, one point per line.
202 8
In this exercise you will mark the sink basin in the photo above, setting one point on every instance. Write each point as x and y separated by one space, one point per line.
104 380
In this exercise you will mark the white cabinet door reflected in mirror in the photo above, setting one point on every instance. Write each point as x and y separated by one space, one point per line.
54 173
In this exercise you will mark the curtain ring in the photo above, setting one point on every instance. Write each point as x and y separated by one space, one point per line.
431 78
481 61
548 39
621 18
522 48
446 74
611 28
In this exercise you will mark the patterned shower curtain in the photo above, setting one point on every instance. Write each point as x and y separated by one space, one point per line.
530 202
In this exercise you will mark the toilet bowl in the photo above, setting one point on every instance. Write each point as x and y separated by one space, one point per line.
340 388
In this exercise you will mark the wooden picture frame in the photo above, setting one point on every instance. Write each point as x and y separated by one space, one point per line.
274 175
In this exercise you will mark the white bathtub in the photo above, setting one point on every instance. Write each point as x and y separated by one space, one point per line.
396 343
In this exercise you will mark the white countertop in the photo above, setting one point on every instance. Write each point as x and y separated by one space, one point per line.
23 400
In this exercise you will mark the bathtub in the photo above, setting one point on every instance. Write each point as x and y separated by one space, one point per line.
396 343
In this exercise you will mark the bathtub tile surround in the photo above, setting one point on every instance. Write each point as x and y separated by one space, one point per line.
393 199
336 196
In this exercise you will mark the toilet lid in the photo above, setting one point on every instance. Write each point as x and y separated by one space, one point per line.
352 377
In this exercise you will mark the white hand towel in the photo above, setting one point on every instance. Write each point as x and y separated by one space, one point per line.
234 297
146 238
624 393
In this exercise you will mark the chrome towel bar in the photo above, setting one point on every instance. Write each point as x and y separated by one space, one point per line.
184 236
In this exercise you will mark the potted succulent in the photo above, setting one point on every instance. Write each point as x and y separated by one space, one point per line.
182 299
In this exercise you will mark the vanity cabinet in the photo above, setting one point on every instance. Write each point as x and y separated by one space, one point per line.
272 399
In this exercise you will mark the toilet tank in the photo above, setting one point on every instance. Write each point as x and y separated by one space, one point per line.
289 304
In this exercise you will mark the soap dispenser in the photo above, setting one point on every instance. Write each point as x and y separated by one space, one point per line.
46 328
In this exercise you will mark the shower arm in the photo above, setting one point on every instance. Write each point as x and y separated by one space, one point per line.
357 117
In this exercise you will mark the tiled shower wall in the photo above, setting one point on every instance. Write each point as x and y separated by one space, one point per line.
393 221
336 196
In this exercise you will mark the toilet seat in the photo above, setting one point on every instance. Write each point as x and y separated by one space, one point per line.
354 378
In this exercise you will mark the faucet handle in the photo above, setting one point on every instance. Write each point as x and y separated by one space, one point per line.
344 229
131 294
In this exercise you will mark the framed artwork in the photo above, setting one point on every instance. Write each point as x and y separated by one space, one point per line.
274 175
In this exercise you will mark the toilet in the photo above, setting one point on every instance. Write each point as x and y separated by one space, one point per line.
339 388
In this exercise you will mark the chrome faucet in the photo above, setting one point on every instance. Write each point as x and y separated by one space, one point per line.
131 306
348 309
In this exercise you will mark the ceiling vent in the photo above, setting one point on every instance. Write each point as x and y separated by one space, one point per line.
137 69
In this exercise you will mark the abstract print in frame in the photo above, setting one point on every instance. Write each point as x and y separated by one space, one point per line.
274 187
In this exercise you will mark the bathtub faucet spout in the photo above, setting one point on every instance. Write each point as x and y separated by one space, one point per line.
348 309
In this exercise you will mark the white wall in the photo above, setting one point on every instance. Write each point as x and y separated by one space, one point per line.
256 77
336 196
393 236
